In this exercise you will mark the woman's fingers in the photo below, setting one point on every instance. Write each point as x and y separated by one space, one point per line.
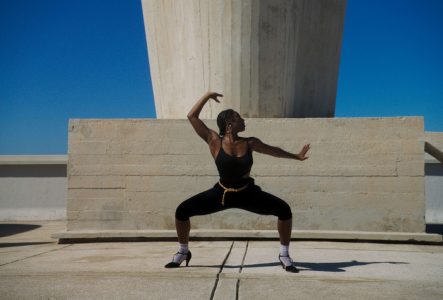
303 152
214 95
305 149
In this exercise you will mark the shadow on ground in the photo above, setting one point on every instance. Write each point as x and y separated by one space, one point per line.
305 266
12 229
6 245
340 266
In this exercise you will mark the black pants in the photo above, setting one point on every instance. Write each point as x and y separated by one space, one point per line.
252 199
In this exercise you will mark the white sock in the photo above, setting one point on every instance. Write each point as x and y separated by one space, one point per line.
181 255
284 250
183 248
284 255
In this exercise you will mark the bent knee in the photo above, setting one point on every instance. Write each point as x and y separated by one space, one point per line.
284 212
181 213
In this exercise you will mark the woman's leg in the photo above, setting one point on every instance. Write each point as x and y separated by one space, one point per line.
183 228
267 204
284 231
201 204
263 203
183 253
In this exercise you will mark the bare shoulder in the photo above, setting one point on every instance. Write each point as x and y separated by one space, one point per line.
253 142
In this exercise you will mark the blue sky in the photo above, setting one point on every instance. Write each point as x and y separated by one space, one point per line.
64 59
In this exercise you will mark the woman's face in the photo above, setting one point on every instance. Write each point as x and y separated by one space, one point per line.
236 124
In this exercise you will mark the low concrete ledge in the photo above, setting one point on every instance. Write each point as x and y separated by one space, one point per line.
33 159
141 235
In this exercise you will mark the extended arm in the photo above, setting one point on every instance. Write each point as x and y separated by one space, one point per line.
193 116
256 145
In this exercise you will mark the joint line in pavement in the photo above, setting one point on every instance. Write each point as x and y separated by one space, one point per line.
237 286
218 274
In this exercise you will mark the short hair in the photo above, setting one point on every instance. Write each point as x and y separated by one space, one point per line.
223 118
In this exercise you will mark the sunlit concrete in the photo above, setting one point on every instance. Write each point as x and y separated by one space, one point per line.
270 58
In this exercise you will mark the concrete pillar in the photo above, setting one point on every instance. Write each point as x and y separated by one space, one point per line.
270 58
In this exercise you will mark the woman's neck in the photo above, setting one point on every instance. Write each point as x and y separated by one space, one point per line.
231 137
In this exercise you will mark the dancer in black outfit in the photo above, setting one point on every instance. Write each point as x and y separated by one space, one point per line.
233 157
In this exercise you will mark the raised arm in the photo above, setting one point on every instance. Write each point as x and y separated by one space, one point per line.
193 116
256 145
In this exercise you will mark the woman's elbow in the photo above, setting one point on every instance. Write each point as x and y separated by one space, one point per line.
192 118
191 115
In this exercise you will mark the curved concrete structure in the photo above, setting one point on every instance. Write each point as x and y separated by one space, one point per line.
274 58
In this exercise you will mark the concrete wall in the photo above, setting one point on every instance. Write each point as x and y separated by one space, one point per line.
363 174
270 58
33 188
434 181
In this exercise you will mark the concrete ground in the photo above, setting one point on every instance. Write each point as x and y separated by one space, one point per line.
34 266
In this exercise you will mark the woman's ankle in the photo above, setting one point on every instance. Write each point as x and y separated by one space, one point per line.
284 250
183 248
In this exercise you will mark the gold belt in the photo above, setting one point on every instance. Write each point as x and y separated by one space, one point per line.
226 190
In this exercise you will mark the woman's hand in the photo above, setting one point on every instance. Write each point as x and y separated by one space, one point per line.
304 150
213 96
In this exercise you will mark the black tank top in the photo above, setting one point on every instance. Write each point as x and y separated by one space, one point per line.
232 169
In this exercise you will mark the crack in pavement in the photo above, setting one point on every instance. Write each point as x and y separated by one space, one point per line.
17 260
218 274
237 286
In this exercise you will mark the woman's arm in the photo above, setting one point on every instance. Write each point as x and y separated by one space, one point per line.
193 116
256 145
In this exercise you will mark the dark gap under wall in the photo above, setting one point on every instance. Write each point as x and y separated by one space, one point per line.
32 170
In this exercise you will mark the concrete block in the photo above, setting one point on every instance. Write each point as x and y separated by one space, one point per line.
96 182
363 174
96 203
155 201
89 147
181 184
413 167
79 193
160 165
372 184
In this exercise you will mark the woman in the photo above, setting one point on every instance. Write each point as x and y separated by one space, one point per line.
233 157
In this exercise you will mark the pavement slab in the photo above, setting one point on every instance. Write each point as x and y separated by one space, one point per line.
34 266
104 286
322 288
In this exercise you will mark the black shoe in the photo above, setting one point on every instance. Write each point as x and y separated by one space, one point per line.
185 257
291 268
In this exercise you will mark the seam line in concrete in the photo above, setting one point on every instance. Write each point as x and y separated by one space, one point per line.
219 271
17 260
237 286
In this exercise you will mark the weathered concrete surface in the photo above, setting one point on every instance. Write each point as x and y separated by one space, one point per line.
362 175
434 180
33 267
33 187
223 234
270 58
